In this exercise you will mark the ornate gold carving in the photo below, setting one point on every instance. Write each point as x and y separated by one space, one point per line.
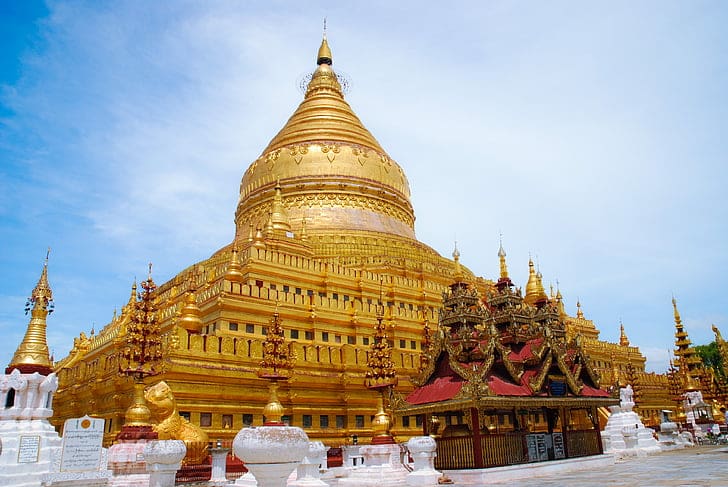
271 158
297 152
331 150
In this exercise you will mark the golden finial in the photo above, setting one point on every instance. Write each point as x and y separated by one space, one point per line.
250 232
532 292
560 300
676 313
258 242
278 215
234 270
458 267
579 312
32 355
623 340
304 236
324 52
502 258
269 226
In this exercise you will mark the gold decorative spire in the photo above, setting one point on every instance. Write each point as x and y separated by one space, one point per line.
539 283
234 270
303 235
132 299
277 356
502 258
324 52
458 268
688 361
142 353
579 312
258 241
32 355
277 363
560 301
279 217
534 288
380 368
191 316
623 340
676 313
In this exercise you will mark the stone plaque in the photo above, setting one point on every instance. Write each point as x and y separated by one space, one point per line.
28 449
82 439
559 451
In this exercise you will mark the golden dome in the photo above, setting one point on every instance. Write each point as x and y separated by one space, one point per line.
326 169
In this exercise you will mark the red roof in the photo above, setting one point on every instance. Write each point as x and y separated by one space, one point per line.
593 392
504 388
440 389
526 351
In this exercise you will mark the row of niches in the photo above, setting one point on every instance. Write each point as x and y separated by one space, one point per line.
305 421
308 335
336 296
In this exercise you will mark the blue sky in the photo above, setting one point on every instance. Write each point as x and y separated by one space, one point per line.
592 136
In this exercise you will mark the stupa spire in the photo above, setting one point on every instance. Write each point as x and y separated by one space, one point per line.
535 292
234 270
278 216
324 52
458 268
502 258
623 340
32 355
688 360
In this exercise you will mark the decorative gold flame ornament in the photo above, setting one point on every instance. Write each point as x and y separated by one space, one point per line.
139 358
381 377
277 363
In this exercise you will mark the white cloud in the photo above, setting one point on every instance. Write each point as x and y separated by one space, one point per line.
590 136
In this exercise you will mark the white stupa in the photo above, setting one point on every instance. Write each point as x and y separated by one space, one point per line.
625 434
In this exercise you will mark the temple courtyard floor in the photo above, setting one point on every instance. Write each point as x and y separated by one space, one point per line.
698 466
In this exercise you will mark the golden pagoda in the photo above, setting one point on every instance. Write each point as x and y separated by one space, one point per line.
32 354
324 232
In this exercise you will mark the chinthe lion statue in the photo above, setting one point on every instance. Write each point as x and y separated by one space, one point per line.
169 425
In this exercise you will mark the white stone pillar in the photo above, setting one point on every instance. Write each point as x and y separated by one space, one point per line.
219 465
422 449
163 459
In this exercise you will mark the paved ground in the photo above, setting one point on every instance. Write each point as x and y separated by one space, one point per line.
690 467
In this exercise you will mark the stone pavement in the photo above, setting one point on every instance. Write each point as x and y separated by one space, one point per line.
690 467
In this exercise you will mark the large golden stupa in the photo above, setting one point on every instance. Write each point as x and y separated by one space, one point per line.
324 246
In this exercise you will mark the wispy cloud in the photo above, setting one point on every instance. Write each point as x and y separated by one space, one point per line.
589 135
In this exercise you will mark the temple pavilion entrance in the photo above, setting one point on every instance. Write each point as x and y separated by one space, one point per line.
512 435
